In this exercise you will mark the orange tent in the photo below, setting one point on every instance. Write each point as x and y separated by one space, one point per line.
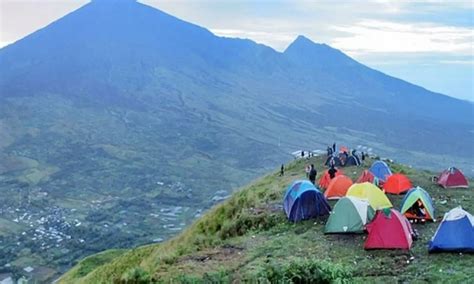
338 187
326 179
397 184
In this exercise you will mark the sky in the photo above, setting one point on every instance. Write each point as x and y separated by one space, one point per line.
429 43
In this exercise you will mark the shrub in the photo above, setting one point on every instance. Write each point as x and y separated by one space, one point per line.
304 271
136 276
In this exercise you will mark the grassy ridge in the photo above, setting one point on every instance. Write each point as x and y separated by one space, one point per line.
247 238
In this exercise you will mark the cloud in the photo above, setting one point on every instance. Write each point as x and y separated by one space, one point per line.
368 36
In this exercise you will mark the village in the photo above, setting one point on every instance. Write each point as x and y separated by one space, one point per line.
54 236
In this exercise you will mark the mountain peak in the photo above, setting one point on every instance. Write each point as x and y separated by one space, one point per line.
303 44
113 1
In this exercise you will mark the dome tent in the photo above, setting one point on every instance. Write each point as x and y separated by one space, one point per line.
350 215
338 187
380 170
452 178
352 161
376 198
389 230
455 233
417 204
367 176
304 201
326 179
397 184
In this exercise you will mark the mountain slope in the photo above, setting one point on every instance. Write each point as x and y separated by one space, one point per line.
119 111
248 238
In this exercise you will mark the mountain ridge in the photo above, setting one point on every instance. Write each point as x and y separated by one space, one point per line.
117 111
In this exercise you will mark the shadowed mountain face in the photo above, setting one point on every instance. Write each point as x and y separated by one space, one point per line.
118 111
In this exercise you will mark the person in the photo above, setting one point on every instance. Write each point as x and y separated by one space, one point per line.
334 147
332 161
363 156
302 154
329 150
332 172
282 170
307 169
312 174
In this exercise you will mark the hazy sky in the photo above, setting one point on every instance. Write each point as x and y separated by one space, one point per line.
429 43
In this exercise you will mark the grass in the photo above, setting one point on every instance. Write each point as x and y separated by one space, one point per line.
247 238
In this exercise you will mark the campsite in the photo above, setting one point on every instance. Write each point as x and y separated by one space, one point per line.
249 237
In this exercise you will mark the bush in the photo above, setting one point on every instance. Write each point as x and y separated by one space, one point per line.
304 271
136 276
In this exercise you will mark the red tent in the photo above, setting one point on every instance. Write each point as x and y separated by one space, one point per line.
367 176
452 177
389 230
326 179
397 184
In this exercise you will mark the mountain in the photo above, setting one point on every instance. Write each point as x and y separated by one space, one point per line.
248 238
121 123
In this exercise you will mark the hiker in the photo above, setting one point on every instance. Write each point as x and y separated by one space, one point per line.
302 154
332 161
334 147
363 156
329 151
312 174
332 172
307 169
282 170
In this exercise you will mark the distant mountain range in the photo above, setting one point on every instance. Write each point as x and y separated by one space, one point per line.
116 98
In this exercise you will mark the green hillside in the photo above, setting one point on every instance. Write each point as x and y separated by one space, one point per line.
247 238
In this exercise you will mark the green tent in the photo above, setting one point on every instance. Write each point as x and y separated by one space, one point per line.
350 215
417 204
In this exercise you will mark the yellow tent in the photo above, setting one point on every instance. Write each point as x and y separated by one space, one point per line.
376 198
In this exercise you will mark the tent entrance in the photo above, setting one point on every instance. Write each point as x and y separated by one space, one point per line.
418 211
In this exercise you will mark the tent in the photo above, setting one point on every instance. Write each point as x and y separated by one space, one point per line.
397 184
343 149
304 201
338 187
377 199
389 230
350 215
417 204
452 177
337 161
367 176
326 179
455 233
352 161
381 170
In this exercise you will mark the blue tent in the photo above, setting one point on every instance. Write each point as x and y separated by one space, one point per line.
380 170
455 233
304 201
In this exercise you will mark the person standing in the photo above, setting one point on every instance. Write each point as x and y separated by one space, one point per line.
334 147
307 169
282 170
332 172
312 174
